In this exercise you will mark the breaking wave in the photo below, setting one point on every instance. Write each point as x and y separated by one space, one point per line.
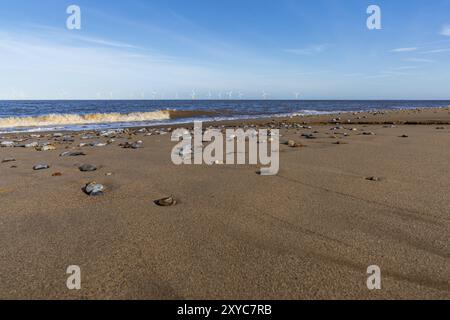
51 120
80 119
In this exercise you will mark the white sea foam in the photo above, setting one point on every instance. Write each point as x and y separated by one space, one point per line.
81 119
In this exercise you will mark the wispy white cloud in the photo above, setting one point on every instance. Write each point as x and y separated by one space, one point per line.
312 49
419 60
404 68
440 50
105 42
49 65
445 31
409 49
388 74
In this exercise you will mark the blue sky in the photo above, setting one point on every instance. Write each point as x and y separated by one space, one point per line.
167 49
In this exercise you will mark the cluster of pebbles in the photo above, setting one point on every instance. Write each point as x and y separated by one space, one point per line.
127 139
54 141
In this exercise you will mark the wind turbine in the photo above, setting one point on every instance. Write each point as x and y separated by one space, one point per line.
264 95
220 95
209 95
241 95
296 95
193 94
230 95
154 95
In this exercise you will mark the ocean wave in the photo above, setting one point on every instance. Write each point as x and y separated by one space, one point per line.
81 119
55 119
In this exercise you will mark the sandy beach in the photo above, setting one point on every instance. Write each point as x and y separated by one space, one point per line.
310 232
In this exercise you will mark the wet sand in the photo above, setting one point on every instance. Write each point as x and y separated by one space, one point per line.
309 232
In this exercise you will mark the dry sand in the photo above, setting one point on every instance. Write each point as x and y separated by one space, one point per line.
308 233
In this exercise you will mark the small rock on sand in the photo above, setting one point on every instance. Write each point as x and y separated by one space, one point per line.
7 144
94 189
87 168
8 160
46 148
134 145
166 202
97 144
41 166
27 145
293 144
373 179
72 154
309 136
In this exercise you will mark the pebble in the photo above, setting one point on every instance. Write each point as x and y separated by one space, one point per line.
373 179
72 154
308 136
97 144
88 137
111 133
65 139
133 145
404 136
41 166
94 189
46 148
293 144
87 168
7 144
8 160
57 174
166 202
27 145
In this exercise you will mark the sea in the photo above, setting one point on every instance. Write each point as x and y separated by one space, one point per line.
79 115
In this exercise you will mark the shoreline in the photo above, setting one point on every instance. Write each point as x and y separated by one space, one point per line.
398 116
